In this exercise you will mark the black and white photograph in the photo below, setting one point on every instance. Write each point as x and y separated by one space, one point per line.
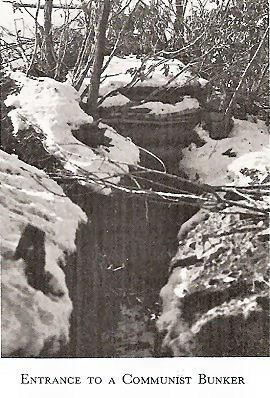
135 180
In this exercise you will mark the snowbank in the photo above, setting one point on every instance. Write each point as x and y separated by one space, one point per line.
220 161
219 275
52 109
31 318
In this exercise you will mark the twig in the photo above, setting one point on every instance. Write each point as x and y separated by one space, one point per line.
245 72
154 156
29 5
36 39
113 50
124 8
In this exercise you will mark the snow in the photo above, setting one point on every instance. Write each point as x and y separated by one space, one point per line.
234 307
29 317
52 108
156 72
160 108
259 161
241 158
247 145
116 100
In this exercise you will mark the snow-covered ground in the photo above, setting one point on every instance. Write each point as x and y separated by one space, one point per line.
219 162
29 317
52 108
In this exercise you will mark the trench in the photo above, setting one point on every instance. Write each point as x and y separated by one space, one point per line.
122 257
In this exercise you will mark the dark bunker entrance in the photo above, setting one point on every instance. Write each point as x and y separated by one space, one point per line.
122 257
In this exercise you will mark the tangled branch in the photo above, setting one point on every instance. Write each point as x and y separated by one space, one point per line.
176 190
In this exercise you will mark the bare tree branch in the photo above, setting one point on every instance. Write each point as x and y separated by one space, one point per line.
42 6
245 72
36 39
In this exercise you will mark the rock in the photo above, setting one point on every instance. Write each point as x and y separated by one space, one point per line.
218 124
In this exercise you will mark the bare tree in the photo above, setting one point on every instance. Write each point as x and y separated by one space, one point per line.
180 6
48 41
98 58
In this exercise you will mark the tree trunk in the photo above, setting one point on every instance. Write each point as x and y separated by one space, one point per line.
179 21
98 59
48 41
